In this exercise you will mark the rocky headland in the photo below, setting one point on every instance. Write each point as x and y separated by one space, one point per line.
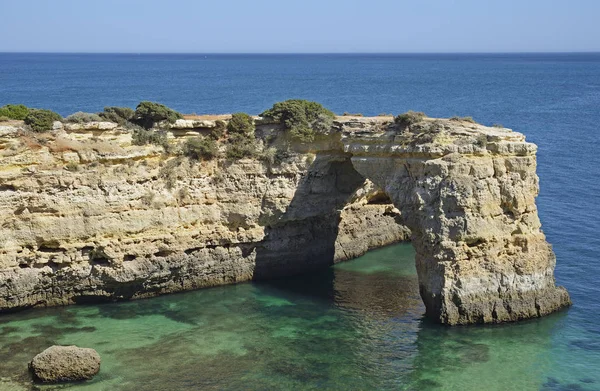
87 215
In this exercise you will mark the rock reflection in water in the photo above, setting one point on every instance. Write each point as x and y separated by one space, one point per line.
357 325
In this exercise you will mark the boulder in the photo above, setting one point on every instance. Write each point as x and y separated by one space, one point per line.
64 364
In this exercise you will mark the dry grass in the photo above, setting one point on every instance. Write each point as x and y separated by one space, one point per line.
64 144
31 142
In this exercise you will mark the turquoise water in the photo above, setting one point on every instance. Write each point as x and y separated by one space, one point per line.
352 327
356 326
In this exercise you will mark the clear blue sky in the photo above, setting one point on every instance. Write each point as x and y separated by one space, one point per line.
240 26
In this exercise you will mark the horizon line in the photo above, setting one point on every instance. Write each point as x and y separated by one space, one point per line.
302 53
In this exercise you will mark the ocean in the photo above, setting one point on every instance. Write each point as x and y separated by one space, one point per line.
358 325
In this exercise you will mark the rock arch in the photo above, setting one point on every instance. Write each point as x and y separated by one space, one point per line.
467 193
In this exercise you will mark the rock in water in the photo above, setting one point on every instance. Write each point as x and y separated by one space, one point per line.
65 363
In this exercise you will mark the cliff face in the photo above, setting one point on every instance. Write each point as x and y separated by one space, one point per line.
86 215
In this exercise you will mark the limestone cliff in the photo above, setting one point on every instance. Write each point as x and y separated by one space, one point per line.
86 215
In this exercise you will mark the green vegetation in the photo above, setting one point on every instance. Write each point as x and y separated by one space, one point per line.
143 136
4 118
119 115
80 117
346 114
409 118
481 140
147 114
302 119
41 120
240 146
72 166
269 155
200 148
498 126
14 111
464 119
241 123
218 131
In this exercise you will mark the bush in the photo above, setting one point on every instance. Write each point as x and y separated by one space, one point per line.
4 118
465 119
149 113
72 166
41 120
200 148
218 131
80 117
14 111
269 155
409 118
119 115
143 136
498 126
241 123
241 146
302 119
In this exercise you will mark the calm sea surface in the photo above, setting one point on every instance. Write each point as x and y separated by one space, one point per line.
359 325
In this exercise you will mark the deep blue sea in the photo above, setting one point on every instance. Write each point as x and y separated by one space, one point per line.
359 325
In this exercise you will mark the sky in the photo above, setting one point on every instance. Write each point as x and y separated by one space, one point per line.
306 26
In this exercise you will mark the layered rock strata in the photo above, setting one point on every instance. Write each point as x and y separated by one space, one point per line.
88 216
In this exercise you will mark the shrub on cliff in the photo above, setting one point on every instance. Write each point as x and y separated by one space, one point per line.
409 118
41 120
14 111
200 148
80 117
464 119
119 115
218 131
141 136
240 146
301 118
4 119
241 123
149 113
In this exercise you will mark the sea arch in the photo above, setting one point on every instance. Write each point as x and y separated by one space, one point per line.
467 193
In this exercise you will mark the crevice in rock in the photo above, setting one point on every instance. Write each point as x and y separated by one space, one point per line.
192 250
98 257
379 198
163 253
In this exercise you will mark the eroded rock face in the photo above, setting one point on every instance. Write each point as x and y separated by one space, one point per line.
88 216
467 192
65 364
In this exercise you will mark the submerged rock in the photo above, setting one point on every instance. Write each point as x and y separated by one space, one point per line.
64 364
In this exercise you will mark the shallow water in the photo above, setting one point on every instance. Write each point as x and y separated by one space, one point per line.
355 326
